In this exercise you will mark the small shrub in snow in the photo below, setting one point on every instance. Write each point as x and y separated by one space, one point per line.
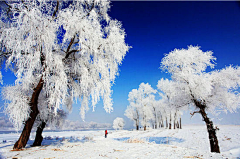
118 123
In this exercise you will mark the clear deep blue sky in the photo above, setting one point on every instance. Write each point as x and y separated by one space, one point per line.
156 28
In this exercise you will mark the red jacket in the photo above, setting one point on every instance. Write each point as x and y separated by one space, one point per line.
106 132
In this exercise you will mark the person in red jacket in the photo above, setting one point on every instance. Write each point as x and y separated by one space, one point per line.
106 133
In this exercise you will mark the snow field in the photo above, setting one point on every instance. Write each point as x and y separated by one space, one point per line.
189 142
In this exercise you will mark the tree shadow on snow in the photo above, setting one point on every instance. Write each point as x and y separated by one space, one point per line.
164 140
156 140
5 146
122 139
59 141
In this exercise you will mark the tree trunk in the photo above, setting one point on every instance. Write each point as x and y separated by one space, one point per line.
23 139
170 122
38 137
137 127
137 121
180 123
166 123
210 128
145 128
155 116
174 125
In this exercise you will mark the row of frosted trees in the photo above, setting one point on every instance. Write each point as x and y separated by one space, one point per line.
191 85
146 111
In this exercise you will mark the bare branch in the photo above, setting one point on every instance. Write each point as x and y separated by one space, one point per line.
24 5
194 113
55 12
70 52
99 47
90 10
69 46
7 4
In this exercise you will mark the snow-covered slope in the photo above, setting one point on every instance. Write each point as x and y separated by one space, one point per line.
189 142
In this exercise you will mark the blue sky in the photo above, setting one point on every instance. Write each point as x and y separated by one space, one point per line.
155 28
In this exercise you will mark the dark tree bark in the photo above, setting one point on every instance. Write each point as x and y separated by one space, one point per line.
38 138
170 122
210 128
159 121
166 123
177 125
23 139
155 115
137 121
180 123
137 125
145 126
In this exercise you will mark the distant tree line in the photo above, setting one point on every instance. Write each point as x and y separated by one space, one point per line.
146 111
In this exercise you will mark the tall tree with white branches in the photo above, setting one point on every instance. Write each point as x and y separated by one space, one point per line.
65 51
140 108
193 85
145 100
133 110
170 100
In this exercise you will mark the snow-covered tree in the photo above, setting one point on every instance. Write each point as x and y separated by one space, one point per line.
161 113
65 51
118 123
145 109
177 116
155 112
133 110
145 100
133 113
141 105
170 100
192 85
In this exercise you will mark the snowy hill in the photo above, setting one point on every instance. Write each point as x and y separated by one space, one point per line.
189 142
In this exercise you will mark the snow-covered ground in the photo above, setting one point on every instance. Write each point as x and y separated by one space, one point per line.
189 142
